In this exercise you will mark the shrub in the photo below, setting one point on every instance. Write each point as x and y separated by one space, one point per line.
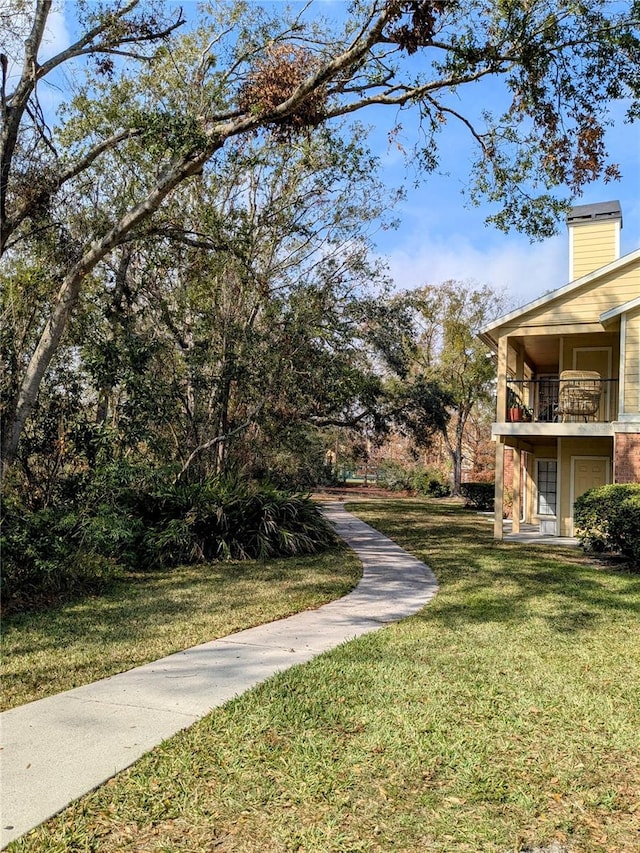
120 517
47 557
480 496
76 543
229 519
429 481
424 481
607 518
628 529
395 476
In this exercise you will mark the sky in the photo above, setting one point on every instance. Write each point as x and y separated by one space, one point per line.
441 238
438 237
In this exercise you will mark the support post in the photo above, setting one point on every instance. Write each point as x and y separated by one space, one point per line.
498 532
501 395
516 509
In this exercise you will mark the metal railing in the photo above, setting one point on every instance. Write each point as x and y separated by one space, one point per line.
556 400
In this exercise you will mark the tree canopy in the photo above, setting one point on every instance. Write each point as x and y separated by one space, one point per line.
154 90
439 370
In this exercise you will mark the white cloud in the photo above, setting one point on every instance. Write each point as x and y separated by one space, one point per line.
56 36
521 269
439 239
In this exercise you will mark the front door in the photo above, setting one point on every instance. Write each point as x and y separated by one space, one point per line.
589 472
547 490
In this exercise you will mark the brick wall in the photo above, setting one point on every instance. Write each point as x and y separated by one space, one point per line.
508 468
627 457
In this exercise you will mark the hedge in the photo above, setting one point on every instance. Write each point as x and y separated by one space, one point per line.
478 495
607 518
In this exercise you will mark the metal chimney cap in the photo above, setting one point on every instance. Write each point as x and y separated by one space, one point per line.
599 212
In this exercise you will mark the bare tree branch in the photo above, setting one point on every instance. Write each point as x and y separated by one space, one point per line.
55 182
219 439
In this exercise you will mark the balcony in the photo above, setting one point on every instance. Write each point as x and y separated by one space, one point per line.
569 404
570 399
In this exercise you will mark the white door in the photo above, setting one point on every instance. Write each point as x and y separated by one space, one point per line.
547 489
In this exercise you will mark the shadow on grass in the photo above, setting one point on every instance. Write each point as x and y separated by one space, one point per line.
136 605
483 580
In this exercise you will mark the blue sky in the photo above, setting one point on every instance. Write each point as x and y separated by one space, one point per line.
439 237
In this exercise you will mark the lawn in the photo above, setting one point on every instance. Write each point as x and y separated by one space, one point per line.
504 715
148 616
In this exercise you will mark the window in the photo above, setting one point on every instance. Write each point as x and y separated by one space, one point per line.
547 486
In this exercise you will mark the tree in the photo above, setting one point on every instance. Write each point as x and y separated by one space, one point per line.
442 371
232 319
243 72
479 449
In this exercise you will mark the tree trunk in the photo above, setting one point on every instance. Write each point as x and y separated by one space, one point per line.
70 291
455 448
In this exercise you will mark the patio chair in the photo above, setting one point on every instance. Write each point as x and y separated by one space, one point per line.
579 394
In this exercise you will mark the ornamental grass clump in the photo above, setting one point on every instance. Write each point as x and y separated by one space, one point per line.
229 519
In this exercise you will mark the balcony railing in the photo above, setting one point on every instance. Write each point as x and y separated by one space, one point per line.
562 400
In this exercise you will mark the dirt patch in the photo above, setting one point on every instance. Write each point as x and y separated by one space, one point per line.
554 847
351 492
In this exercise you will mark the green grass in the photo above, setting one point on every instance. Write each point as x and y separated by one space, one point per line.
149 616
503 715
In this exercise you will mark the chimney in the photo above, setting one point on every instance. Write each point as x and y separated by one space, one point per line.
594 237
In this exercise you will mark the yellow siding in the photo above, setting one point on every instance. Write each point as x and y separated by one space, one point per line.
583 305
632 363
602 340
563 451
594 245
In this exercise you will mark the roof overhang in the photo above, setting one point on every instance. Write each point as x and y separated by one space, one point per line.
611 315
485 334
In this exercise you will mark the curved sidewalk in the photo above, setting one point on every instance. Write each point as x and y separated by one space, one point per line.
56 749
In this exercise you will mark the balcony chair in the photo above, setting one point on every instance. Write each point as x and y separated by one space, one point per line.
579 394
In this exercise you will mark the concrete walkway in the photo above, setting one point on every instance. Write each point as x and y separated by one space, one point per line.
530 535
57 749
